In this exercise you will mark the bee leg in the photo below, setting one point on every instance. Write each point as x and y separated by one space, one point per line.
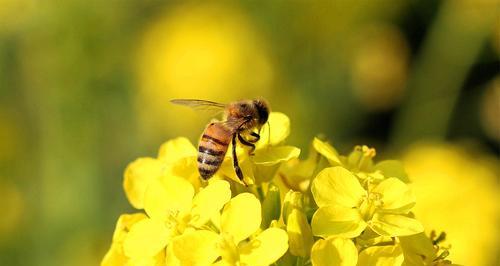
256 135
247 143
236 166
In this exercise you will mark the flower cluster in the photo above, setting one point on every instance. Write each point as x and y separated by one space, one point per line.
325 210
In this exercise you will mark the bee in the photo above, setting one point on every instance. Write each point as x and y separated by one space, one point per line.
241 119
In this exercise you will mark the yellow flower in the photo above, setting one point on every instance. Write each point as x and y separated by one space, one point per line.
458 189
334 251
346 208
176 157
172 211
239 241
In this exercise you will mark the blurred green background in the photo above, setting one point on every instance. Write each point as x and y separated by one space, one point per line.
85 85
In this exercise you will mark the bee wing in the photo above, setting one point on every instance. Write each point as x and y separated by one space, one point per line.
201 105
235 124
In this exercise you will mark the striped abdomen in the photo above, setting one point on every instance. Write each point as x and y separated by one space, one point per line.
212 148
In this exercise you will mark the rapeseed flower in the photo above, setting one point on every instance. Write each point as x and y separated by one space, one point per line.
346 208
329 209
175 157
239 240
173 209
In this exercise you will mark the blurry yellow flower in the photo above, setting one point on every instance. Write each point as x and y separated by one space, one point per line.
204 51
240 220
380 67
173 211
458 194
346 208
334 251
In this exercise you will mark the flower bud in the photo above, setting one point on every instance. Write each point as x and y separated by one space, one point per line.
271 206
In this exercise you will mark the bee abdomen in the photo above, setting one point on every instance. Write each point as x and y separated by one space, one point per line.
211 153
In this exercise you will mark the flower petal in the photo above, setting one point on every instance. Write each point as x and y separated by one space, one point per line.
337 221
241 217
114 256
145 261
227 169
137 177
170 258
396 195
146 238
123 225
337 186
196 247
280 129
168 196
187 168
381 256
299 234
176 149
210 201
328 151
265 249
334 251
395 225
274 155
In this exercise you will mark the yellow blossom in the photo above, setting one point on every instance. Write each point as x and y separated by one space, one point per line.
346 208
172 211
175 157
239 242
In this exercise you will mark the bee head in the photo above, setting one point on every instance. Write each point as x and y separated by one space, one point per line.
262 109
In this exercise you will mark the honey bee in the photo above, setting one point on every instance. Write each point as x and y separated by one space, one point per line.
241 119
